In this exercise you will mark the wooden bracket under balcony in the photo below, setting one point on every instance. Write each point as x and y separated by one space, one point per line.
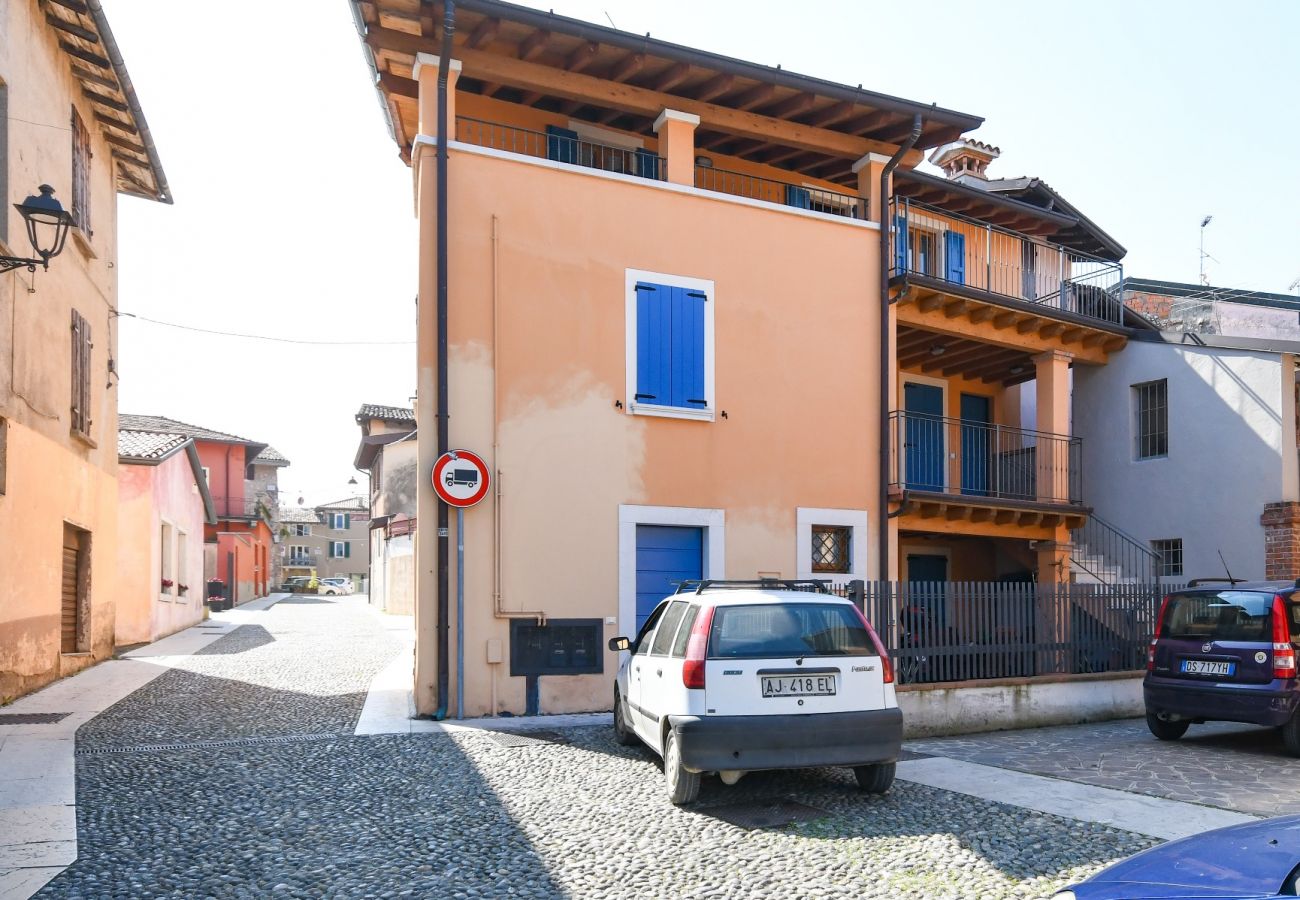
987 517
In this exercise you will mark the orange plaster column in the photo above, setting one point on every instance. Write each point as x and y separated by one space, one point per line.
868 170
424 171
1052 455
676 132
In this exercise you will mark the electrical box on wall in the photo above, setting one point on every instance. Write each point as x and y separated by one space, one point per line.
560 647
494 656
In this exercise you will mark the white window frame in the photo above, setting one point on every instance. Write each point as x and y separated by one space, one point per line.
338 521
806 517
713 521
301 529
336 549
682 281
167 558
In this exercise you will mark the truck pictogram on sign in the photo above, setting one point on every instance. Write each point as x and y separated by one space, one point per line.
460 478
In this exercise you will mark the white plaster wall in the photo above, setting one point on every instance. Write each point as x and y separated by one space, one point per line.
1226 440
967 710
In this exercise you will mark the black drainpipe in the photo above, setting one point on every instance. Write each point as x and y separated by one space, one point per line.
444 627
885 358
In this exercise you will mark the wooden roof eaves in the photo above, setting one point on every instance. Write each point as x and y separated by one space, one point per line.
645 44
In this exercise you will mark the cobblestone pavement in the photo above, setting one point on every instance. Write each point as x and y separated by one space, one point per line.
329 814
1236 767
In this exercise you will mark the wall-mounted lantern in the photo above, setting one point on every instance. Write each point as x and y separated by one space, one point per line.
48 224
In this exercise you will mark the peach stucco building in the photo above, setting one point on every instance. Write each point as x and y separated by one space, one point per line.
670 335
163 506
68 118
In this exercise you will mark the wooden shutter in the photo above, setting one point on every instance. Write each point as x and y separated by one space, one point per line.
653 343
81 174
347 521
81 353
797 196
347 549
900 245
954 246
70 585
687 381
561 144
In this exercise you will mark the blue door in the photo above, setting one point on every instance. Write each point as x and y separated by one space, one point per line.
923 437
665 555
976 444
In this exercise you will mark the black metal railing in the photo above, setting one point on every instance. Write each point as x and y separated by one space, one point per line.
240 508
975 459
935 243
800 196
561 145
302 559
964 631
1105 554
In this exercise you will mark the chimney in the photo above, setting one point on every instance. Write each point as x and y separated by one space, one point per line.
965 160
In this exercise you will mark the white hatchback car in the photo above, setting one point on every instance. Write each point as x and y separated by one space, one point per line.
733 677
335 586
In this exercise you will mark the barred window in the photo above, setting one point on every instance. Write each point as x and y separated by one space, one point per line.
1170 551
830 549
1151 419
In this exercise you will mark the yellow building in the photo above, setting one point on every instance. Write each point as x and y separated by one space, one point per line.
70 119
704 319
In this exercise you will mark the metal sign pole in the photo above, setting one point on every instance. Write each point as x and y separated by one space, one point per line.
460 612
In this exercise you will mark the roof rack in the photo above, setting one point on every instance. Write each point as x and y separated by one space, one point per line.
818 585
1197 582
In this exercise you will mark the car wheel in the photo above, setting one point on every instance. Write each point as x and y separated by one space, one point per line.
622 734
1291 735
1167 731
876 778
683 786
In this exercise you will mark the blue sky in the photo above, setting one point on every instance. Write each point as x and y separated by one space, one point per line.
293 213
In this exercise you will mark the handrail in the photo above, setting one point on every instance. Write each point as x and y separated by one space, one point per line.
781 193
577 151
940 211
1129 557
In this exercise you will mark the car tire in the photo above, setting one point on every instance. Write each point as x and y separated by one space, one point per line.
876 778
1167 731
683 786
1291 735
622 734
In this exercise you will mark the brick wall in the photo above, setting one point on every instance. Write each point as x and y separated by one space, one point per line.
1281 523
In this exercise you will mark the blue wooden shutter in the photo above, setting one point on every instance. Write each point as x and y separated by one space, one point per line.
797 196
647 164
347 521
954 251
688 349
347 549
329 549
900 245
653 344
561 144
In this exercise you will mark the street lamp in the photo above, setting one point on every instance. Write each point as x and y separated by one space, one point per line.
48 224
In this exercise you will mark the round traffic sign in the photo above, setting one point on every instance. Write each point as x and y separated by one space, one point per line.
460 478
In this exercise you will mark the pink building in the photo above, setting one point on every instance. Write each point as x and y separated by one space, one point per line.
163 506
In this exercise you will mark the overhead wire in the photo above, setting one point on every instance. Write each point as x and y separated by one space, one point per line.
265 337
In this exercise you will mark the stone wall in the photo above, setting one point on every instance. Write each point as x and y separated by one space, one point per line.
1281 523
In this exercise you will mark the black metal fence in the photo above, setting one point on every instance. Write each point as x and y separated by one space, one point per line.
800 196
963 631
561 145
955 456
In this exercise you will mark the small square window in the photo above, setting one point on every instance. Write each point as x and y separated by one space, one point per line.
1151 419
1170 551
830 549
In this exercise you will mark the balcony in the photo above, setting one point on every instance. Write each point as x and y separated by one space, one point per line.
306 560
935 247
983 465
240 508
564 146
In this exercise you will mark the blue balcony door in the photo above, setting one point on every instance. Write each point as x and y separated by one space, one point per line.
665 556
923 437
976 444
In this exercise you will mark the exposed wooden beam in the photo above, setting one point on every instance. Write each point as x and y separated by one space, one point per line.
829 115
75 5
954 308
124 144
981 514
932 302
582 57
532 46
95 78
71 28
957 512
115 123
715 87
1070 335
530 97
1096 338
780 156
626 67
1029 324
93 58
791 106
671 77
758 94
981 314
1003 517
1005 320
483 32
95 97
1114 344
870 121
1051 329
402 87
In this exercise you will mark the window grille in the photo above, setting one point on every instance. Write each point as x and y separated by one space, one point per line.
1170 551
1151 410
830 549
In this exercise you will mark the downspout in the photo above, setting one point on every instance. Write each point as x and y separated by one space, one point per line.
444 633
886 359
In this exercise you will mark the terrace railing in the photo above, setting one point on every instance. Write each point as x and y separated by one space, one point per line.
934 243
783 193
560 145
974 459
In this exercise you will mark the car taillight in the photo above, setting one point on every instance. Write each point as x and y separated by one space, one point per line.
1283 651
693 665
1160 625
886 667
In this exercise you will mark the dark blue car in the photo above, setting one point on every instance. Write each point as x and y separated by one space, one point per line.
1242 862
1225 651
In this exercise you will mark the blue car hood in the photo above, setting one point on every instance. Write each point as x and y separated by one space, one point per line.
1240 861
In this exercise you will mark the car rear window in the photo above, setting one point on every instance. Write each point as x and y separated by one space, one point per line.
788 629
1220 616
667 629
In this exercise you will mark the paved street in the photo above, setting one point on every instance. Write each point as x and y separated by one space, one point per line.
237 774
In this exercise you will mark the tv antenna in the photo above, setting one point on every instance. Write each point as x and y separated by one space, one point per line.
1206 221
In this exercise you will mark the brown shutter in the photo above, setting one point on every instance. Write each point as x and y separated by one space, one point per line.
81 174
71 606
81 351
86 345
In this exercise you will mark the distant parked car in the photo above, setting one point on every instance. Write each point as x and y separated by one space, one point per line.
300 584
335 586
734 677
1225 651
1241 862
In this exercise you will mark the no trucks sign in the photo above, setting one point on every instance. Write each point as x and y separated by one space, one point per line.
460 478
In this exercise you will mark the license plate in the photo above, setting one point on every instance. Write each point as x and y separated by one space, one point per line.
1207 667
798 685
